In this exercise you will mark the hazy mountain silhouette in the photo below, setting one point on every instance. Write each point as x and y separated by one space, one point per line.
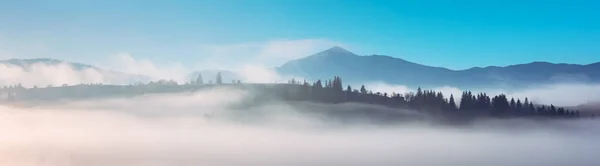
27 63
360 69
40 63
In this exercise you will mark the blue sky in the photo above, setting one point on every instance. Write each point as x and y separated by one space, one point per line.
455 34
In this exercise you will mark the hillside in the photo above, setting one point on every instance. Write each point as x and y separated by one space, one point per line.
357 69
430 102
361 69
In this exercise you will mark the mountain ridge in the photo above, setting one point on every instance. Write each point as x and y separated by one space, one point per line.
359 69
107 74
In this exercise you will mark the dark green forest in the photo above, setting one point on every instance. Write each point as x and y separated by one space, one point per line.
321 91
471 104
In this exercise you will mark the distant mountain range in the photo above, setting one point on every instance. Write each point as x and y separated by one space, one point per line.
41 64
354 68
29 63
357 69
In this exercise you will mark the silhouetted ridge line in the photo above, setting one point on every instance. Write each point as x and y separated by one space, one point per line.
471 105
360 69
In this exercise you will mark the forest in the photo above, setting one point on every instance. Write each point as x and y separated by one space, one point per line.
470 105
328 91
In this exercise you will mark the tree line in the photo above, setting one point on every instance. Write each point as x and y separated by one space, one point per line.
332 91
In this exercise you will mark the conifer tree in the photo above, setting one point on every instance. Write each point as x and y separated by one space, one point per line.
363 90
512 105
219 79
452 103
199 79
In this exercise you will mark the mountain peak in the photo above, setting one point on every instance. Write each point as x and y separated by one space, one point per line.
336 51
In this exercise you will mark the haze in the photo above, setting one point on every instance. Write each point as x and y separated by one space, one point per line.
201 129
299 83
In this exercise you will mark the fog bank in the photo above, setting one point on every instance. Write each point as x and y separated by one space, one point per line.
203 129
562 94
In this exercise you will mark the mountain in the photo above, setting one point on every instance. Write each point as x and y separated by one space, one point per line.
337 61
354 68
28 63
70 73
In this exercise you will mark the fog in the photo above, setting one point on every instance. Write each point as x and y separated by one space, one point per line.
206 128
40 74
43 74
560 94
123 70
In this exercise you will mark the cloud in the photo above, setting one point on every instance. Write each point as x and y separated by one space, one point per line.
402 89
267 53
261 74
176 71
258 74
563 94
252 61
42 74
126 63
172 129
119 69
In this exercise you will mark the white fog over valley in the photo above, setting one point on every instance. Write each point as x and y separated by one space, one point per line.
299 83
206 128
42 74
201 129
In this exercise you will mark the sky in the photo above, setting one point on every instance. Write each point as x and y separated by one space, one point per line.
455 34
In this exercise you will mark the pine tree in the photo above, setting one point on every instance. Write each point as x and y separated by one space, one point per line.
452 103
419 92
337 84
199 79
363 90
512 105
465 101
318 85
531 108
219 79
552 110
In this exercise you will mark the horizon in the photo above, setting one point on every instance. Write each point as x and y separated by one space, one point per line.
333 47
299 82
454 35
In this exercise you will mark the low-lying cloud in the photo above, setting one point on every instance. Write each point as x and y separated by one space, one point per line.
563 94
41 74
44 74
125 62
269 53
253 62
203 128
122 69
